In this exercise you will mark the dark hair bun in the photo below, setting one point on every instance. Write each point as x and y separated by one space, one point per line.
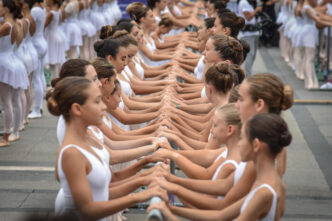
54 81
98 45
52 105
288 98
285 138
240 22
120 33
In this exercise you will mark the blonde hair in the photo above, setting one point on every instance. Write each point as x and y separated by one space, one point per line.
230 115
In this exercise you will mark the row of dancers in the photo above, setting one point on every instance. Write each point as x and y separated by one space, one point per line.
151 84
301 21
36 33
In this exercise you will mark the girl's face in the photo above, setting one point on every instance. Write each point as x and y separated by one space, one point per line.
93 109
120 61
91 74
149 19
108 85
219 129
211 55
218 28
115 99
202 32
132 51
49 3
246 148
210 9
245 104
162 5
135 33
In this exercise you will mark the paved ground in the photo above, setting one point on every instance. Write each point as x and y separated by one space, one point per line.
27 183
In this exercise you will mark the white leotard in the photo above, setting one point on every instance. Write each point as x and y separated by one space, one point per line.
203 92
107 121
239 171
139 68
199 69
222 155
98 178
61 129
220 167
271 214
97 133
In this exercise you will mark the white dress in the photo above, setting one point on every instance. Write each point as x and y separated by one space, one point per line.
98 179
309 33
283 14
12 69
56 41
96 18
24 55
38 39
271 214
87 28
72 27
31 48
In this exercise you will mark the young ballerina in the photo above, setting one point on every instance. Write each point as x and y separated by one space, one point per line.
13 76
262 137
55 37
83 174
38 80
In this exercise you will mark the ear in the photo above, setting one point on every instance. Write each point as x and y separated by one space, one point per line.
227 31
230 130
256 145
210 31
260 105
109 58
103 81
208 88
76 109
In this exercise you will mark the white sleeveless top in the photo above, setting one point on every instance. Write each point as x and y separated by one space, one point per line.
199 69
239 171
203 92
271 214
61 129
98 178
218 171
97 133
222 155
107 121
139 68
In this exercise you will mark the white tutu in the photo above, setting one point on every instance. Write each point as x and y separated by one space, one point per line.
73 33
12 69
87 27
56 41
96 18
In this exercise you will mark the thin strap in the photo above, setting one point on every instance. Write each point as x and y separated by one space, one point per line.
222 165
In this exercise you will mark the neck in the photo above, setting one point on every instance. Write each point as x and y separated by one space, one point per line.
231 144
146 30
76 129
8 17
220 100
156 10
26 12
265 167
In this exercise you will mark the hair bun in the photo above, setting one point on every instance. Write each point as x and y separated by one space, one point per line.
240 22
105 31
234 44
287 98
52 105
223 67
285 138
54 81
99 45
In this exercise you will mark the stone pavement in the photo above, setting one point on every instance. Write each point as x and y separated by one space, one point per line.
27 183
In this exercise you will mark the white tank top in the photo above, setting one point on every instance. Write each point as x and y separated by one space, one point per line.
218 171
98 178
199 69
203 92
271 214
97 133
139 68
239 171
61 129
222 155
107 121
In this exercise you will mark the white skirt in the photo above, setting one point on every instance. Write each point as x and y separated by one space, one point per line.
73 33
56 46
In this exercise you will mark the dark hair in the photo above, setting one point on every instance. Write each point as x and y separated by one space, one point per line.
220 76
103 68
107 47
30 3
271 90
68 91
117 86
107 31
124 38
152 3
123 20
14 6
209 22
126 26
219 5
232 21
270 129
246 49
136 11
234 95
228 47
72 67
238 74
